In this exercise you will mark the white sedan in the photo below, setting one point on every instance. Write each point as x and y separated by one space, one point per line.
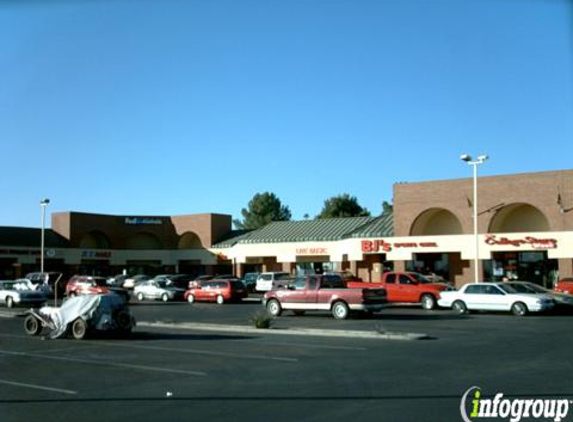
494 297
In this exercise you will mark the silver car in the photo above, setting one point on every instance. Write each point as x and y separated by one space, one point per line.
154 290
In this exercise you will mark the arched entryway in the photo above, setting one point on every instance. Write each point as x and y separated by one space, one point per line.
436 222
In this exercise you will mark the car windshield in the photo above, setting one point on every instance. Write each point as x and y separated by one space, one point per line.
420 278
507 288
535 288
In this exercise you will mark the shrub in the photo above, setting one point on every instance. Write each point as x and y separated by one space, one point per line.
261 319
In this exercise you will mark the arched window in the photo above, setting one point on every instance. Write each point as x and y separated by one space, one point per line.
436 221
517 218
95 240
189 240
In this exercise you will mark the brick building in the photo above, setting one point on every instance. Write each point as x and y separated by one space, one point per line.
525 232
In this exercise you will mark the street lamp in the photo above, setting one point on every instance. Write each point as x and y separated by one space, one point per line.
480 160
43 203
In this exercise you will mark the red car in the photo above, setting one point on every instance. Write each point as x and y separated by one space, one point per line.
565 285
86 285
219 291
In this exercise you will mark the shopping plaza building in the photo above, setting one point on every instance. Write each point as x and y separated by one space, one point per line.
525 232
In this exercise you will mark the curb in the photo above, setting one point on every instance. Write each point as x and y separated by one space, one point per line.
286 331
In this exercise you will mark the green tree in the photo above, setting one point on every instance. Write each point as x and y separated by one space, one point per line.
262 209
387 208
342 206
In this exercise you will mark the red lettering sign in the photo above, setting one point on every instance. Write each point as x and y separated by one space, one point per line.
534 242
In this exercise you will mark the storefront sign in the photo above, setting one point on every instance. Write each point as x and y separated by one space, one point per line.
534 242
96 254
376 246
312 251
138 221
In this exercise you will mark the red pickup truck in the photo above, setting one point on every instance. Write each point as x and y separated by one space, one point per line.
407 287
323 293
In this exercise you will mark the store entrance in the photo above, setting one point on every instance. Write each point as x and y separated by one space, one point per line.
524 266
435 266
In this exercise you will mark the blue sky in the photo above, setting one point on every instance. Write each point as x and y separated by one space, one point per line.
169 107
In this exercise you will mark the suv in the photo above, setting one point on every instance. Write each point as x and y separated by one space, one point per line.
272 280
86 285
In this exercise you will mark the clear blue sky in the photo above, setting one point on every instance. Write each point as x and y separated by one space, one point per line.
168 107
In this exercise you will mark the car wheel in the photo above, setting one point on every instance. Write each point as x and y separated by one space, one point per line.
220 299
428 302
340 310
140 296
519 309
9 302
32 325
123 321
460 307
165 297
190 298
79 329
274 307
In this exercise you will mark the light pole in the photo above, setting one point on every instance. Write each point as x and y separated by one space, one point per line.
43 203
480 160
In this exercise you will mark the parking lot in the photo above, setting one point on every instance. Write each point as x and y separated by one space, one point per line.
173 373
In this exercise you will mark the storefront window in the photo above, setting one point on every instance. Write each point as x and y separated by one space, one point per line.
524 266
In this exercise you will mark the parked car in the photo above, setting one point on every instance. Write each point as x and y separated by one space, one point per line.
565 285
323 293
176 280
272 280
250 281
130 282
48 282
81 315
13 293
93 285
407 287
152 289
494 297
560 299
219 291
86 285
195 282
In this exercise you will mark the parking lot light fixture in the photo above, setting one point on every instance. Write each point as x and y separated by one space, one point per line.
43 204
474 163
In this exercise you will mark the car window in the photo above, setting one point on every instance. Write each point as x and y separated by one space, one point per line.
492 290
391 278
299 284
404 279
267 277
282 276
506 288
312 283
473 290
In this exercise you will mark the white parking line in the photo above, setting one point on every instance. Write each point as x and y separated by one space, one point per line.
104 363
38 387
203 352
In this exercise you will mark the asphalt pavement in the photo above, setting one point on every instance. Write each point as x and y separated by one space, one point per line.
169 370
